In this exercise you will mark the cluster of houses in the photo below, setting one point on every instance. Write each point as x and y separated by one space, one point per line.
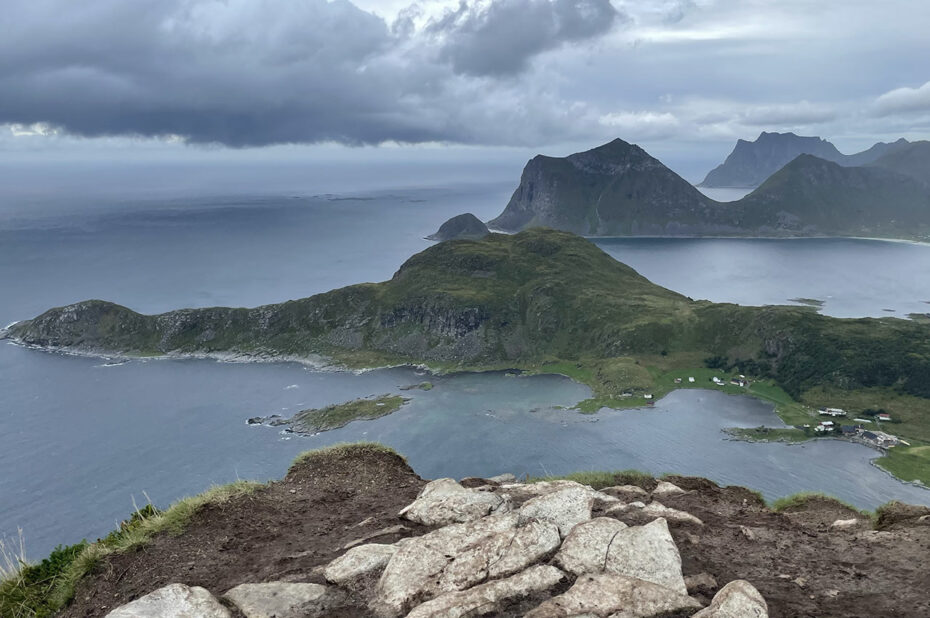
859 433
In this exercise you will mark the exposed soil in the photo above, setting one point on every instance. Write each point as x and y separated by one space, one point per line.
289 529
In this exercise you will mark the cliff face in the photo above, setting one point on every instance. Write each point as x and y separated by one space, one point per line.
616 189
751 163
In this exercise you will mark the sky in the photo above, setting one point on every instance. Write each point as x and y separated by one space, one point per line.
178 82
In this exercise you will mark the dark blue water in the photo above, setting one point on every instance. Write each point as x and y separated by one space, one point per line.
79 440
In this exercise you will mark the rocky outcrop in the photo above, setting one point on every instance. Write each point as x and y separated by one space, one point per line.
461 227
512 562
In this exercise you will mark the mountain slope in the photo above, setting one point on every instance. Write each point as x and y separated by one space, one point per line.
615 189
912 160
812 196
751 163
466 226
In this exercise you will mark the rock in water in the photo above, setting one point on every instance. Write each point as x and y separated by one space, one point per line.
466 226
173 601
738 599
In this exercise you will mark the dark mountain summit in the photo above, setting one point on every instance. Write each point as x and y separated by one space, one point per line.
620 190
751 163
911 160
615 189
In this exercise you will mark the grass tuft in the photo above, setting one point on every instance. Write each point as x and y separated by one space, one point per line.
800 500
341 450
601 479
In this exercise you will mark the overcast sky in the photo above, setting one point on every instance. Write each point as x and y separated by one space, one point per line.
237 79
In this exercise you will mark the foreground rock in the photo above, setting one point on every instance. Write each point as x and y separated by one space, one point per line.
284 600
646 552
616 596
444 502
359 562
564 507
486 599
173 601
414 572
738 599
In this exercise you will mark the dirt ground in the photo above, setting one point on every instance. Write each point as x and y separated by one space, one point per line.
282 532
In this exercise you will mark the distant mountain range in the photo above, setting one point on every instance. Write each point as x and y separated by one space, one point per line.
751 163
618 189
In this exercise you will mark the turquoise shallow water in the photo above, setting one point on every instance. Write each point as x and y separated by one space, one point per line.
79 440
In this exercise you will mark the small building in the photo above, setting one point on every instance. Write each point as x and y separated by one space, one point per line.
717 380
849 430
868 435
691 379
832 412
647 396
884 417
677 380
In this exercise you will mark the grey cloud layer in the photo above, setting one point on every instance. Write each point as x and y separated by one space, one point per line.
246 73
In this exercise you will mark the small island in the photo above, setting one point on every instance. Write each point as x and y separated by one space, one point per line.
315 420
461 227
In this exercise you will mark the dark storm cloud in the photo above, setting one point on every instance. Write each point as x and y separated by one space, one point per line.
245 73
501 37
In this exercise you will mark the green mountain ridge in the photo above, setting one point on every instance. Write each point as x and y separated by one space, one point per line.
620 190
540 296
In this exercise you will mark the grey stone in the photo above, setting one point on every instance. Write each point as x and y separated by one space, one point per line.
615 596
738 599
502 478
845 524
173 601
444 502
702 582
526 491
501 554
413 572
564 507
284 600
358 562
657 509
605 544
487 598
664 488
626 492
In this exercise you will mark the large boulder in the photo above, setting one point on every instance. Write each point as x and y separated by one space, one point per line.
173 601
654 510
444 501
284 600
501 554
414 571
605 544
616 596
738 599
359 562
564 507
664 488
488 599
